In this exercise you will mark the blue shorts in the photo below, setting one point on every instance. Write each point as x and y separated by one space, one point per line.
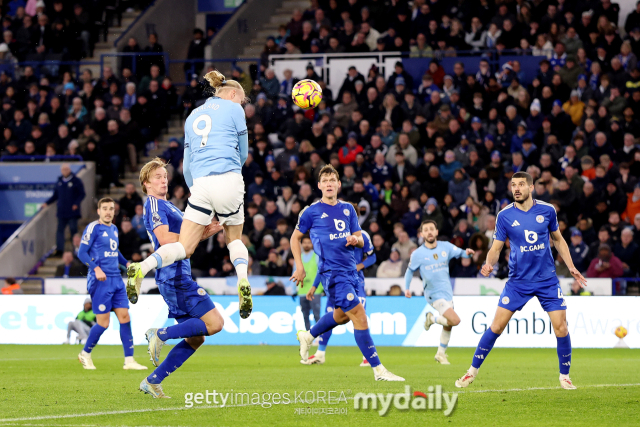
185 298
107 295
362 296
342 289
550 297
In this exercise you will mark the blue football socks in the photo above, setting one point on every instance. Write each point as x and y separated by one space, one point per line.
127 338
94 335
176 357
367 347
326 323
564 354
485 345
190 328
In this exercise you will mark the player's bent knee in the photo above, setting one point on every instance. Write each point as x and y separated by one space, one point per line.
454 322
561 331
214 328
195 342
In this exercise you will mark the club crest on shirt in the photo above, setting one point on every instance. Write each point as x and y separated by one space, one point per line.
350 296
346 212
505 300
202 292
539 219
156 218
444 254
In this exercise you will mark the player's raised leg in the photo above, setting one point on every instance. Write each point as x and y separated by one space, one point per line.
239 256
485 345
559 322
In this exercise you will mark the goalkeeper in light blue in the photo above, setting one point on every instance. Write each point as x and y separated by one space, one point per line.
432 259
215 148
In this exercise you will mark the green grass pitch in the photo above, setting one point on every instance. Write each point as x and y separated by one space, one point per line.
46 386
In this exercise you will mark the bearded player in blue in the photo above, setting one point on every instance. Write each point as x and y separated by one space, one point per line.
334 230
528 224
432 259
99 251
365 257
189 304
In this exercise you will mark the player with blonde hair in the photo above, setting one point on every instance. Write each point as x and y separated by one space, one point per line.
215 148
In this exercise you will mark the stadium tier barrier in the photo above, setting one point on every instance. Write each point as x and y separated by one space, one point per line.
393 321
227 285
333 67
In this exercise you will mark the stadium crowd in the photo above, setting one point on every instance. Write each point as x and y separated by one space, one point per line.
444 149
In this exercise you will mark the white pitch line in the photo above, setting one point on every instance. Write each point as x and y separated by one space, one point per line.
182 408
58 358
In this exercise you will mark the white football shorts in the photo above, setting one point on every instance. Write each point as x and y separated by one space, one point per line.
442 305
217 195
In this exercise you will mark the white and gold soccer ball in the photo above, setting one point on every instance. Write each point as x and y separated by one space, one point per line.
306 94
621 332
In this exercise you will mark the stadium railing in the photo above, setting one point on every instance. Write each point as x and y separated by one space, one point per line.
135 21
56 158
620 285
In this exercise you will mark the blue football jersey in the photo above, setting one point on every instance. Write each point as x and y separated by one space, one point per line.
103 247
161 212
360 253
329 227
434 268
211 132
530 260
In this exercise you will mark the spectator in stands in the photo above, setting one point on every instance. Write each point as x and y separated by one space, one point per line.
605 264
130 200
391 267
195 51
11 287
128 238
69 193
70 267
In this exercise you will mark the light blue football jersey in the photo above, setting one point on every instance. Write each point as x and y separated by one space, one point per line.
434 269
212 136
159 212
329 226
531 263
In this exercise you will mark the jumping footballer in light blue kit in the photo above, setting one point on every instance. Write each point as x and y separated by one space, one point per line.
529 225
216 145
99 251
334 230
432 259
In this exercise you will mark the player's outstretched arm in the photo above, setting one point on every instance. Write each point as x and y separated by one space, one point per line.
164 236
492 257
563 250
296 250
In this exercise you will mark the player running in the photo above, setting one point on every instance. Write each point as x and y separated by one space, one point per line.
188 303
528 224
432 259
215 148
365 257
334 230
99 251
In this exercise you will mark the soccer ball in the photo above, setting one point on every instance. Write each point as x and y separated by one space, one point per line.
306 94
621 332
